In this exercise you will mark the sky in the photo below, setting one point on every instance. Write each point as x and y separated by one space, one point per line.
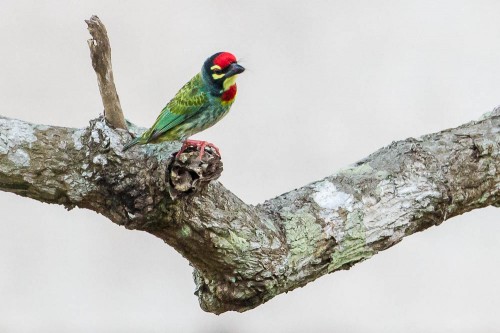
327 83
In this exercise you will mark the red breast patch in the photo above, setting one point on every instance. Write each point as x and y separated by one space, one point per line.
229 94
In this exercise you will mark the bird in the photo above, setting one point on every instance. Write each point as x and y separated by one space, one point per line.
198 105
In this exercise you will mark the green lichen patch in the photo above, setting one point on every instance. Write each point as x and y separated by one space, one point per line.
238 242
185 231
230 241
382 174
362 169
353 247
302 233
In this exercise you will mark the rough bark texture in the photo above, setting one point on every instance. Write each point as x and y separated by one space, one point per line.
100 53
244 255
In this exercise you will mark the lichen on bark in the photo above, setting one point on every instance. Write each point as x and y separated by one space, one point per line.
244 255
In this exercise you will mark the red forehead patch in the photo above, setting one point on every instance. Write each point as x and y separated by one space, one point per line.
224 59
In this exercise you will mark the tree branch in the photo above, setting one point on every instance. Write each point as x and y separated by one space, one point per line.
100 53
244 255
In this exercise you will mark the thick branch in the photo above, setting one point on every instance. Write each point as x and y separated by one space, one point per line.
100 52
245 255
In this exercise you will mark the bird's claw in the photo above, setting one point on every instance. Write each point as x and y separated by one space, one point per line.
201 145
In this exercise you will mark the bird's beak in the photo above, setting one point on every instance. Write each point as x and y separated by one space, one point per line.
234 69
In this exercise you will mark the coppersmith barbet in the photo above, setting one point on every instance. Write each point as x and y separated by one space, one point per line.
198 105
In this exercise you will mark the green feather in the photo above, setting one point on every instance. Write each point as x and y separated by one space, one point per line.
196 107
188 102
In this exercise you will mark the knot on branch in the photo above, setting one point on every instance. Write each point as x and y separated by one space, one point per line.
102 142
188 174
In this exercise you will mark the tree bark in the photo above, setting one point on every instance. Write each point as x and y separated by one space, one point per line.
244 255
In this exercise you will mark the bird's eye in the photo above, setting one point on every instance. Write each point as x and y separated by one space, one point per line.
217 72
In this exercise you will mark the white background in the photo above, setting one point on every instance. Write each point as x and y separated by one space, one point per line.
327 83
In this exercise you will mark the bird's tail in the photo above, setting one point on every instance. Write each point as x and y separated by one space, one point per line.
132 143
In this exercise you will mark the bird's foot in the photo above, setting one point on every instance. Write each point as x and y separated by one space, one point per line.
201 145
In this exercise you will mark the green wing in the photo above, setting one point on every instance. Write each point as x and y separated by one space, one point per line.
188 102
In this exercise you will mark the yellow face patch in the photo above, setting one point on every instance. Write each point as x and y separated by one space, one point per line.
229 82
217 76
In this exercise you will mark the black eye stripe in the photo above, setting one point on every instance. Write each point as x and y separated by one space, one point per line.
221 71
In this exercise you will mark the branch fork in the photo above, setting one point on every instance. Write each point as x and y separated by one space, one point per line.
244 255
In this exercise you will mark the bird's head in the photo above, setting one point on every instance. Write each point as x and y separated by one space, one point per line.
220 70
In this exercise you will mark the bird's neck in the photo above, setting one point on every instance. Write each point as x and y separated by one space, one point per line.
229 94
228 91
